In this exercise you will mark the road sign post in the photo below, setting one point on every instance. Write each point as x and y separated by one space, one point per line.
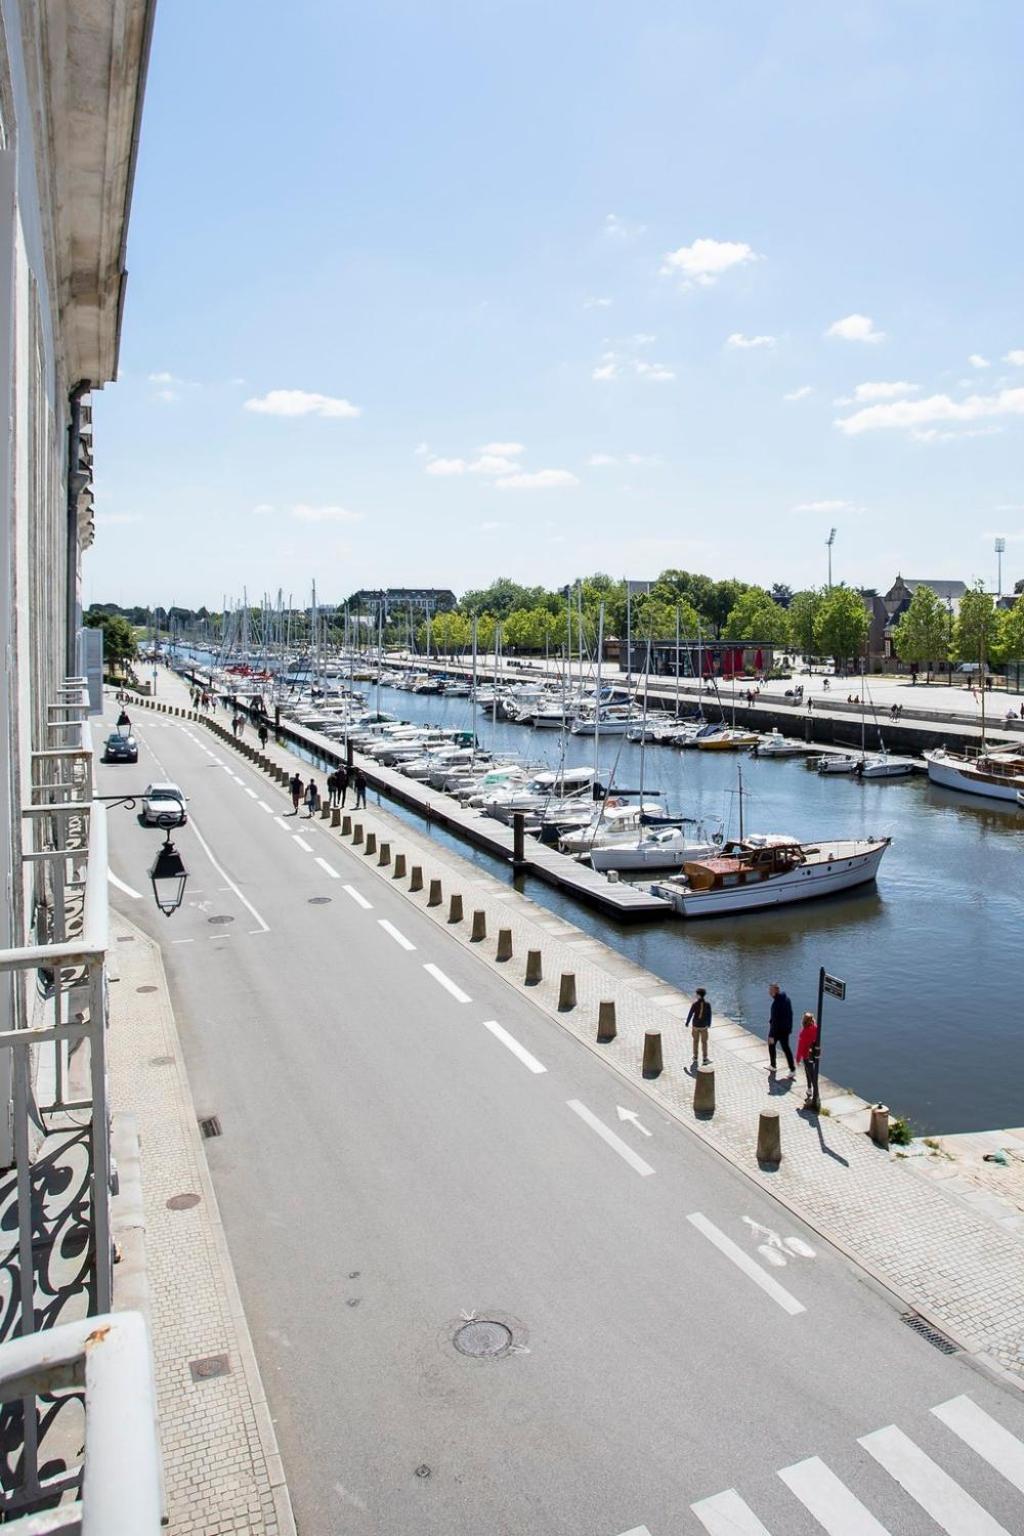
834 987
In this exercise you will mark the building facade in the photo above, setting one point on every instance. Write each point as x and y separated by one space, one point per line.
885 612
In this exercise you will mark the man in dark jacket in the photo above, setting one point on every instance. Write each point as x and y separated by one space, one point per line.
780 1027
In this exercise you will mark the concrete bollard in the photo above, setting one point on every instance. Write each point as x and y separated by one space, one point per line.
504 950
653 1062
879 1128
455 908
434 894
479 929
325 811
384 858
606 1026
769 1137
704 1093
335 816
371 843
398 873
346 826
416 878
357 833
566 992
534 968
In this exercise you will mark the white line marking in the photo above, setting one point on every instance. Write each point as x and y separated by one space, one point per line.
324 865
616 1143
985 1435
953 1510
301 842
743 1261
448 984
517 1050
183 941
829 1500
359 898
227 769
250 792
265 807
280 822
122 887
399 938
638 1530
236 778
726 1515
246 903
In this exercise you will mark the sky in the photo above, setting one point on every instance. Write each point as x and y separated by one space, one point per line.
425 293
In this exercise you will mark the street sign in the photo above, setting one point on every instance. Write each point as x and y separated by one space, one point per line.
834 987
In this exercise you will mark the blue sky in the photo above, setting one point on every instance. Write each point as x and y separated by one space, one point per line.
424 293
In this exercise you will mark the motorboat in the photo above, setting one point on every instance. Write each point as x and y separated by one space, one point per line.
880 765
657 848
729 739
777 745
997 775
615 720
539 792
613 823
838 762
770 870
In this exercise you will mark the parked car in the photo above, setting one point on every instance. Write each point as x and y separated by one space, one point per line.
120 747
164 805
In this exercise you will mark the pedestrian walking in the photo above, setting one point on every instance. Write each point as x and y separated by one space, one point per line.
295 785
780 1027
359 784
805 1052
342 783
699 1020
312 798
263 736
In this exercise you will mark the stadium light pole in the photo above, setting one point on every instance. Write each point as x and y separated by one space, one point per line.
1000 548
828 545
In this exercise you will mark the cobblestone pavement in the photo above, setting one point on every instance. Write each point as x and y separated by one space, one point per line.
222 1471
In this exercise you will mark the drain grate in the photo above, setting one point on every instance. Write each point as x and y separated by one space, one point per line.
209 1366
210 1126
220 919
483 1339
934 1337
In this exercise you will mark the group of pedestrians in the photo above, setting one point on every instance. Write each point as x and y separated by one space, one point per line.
337 787
780 1032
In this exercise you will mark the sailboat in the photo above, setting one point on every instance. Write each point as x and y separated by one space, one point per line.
996 774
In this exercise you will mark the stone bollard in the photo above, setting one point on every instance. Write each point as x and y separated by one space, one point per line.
357 833
653 1063
534 970
455 908
434 894
384 858
398 873
335 816
479 929
606 1026
416 878
769 1137
704 1093
325 811
879 1128
566 992
504 951
346 826
371 843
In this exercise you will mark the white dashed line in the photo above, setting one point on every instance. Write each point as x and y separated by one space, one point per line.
280 821
448 984
301 842
359 899
398 937
615 1142
183 941
513 1045
265 807
749 1266
324 865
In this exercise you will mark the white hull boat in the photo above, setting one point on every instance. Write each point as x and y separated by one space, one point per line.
770 871
994 776
882 766
777 745
661 848
842 762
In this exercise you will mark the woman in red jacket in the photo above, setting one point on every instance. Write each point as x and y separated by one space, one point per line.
806 1041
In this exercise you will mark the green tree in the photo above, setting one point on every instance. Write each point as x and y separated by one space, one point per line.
756 616
119 646
841 626
782 594
802 612
1011 632
654 617
975 633
922 634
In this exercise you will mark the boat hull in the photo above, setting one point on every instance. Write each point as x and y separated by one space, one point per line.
803 884
952 774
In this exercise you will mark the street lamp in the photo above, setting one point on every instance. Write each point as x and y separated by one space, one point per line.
1000 549
168 876
828 545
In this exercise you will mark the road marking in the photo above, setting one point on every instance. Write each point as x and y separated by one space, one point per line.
301 842
280 821
726 1515
324 865
236 778
227 769
985 1435
122 887
616 1143
246 903
265 807
249 791
399 938
829 1500
359 898
638 1530
748 1265
952 1509
448 984
517 1050
183 941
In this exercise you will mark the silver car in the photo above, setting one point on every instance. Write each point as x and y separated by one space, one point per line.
163 805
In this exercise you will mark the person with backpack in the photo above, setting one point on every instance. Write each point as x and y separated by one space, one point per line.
295 786
699 1020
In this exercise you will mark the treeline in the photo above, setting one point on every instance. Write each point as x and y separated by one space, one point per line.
931 636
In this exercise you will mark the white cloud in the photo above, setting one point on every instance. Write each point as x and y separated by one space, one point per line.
643 458
421 450
933 435
262 509
167 394
601 303
605 371
916 415
308 514
539 480
745 343
705 260
658 373
977 361
883 390
825 506
505 450
620 229
301 402
601 460
116 519
801 393
855 328
1016 357
492 527
445 467
643 339
489 462
492 464
164 378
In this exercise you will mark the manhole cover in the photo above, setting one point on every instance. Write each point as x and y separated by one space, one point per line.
183 1202
161 1061
319 901
145 989
209 1366
220 919
483 1339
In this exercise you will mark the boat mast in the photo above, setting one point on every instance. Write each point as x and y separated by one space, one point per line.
739 781
597 703
677 661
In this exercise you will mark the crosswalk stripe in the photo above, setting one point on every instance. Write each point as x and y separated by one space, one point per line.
726 1515
835 1508
986 1436
952 1509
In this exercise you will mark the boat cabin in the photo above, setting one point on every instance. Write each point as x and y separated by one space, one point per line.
741 865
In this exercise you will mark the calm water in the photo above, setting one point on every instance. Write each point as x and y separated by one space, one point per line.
932 1023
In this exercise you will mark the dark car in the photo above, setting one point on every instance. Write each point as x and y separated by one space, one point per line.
121 747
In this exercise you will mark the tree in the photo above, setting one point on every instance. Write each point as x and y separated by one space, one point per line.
119 647
841 626
975 633
1011 632
802 612
756 616
654 617
782 594
922 634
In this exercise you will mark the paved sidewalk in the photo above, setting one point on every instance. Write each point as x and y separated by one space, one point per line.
222 1471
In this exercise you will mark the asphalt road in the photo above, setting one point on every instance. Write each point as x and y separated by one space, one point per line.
408 1144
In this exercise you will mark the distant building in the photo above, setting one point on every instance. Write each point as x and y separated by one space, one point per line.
399 600
711 658
886 611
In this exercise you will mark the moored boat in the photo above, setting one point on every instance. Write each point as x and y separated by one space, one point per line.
769 871
995 775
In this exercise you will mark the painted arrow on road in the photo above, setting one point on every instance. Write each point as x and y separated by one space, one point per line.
631 1114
